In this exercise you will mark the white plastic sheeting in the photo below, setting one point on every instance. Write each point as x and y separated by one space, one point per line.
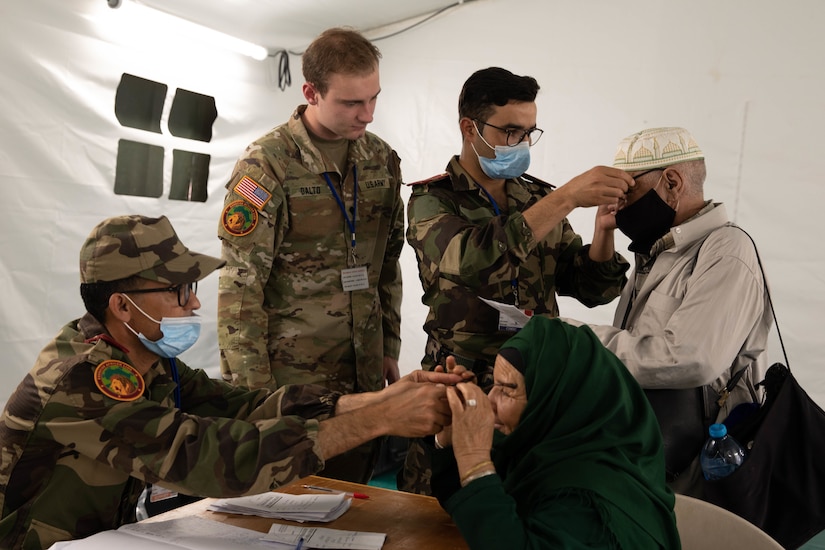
745 77
61 64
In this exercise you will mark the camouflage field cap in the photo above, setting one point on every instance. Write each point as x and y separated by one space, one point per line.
656 148
124 246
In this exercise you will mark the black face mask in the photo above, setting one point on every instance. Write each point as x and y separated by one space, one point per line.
645 220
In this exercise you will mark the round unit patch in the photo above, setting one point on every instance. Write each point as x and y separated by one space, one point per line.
119 380
239 218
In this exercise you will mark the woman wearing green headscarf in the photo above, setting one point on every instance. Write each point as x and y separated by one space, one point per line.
565 452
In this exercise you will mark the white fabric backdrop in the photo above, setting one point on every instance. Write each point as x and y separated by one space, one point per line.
745 77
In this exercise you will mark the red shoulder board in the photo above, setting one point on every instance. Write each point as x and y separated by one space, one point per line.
439 177
534 179
108 339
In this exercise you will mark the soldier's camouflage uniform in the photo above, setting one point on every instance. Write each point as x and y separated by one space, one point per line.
75 461
466 252
283 316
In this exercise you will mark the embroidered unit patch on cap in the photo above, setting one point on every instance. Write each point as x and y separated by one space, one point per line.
239 218
253 192
119 380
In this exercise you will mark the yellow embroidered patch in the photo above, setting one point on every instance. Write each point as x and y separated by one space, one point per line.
119 380
239 218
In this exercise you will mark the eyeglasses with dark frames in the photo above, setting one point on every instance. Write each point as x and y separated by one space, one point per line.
184 291
517 135
634 190
640 174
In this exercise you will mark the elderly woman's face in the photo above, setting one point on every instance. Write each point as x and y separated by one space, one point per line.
508 396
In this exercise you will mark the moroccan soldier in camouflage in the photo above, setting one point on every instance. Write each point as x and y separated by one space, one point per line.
486 230
100 415
466 252
283 315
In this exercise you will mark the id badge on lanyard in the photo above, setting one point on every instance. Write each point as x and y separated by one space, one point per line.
354 277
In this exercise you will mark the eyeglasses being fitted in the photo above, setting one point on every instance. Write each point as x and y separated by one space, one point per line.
184 290
517 135
640 174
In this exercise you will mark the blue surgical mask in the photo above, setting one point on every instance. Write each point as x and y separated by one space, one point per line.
509 162
179 334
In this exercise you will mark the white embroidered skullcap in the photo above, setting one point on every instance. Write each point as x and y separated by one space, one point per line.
656 148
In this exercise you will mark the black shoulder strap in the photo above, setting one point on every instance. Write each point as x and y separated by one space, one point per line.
768 293
738 374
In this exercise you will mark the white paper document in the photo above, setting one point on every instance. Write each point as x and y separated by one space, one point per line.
510 317
321 537
283 506
188 533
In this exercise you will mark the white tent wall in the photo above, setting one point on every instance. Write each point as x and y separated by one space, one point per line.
744 76
60 65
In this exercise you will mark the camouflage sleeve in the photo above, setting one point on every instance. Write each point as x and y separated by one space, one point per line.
470 254
200 455
242 320
389 286
205 396
591 283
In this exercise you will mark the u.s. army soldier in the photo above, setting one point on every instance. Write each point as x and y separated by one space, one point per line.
311 291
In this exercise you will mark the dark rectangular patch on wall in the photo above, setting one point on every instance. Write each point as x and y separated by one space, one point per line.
190 172
139 102
139 169
192 115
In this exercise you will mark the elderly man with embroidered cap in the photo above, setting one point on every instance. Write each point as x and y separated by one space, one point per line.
107 407
694 312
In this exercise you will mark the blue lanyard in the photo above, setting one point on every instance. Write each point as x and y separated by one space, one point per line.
514 281
174 366
350 223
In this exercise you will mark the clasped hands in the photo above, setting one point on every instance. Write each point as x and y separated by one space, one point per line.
470 432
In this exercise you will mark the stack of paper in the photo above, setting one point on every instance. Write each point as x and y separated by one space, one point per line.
283 506
186 533
315 537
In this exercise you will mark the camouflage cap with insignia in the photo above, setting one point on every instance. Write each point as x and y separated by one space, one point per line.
656 148
124 246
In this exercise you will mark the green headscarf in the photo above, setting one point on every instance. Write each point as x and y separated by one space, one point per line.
587 425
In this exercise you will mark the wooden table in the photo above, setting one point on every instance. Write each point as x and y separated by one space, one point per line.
411 522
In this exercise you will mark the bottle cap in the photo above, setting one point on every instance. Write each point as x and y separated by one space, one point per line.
718 430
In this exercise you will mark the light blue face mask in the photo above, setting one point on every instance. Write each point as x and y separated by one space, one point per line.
179 334
509 162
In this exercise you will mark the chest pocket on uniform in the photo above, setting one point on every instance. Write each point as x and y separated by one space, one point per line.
313 211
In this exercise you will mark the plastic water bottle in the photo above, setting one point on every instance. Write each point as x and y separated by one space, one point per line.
721 454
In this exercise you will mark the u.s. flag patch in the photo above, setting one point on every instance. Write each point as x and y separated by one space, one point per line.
253 192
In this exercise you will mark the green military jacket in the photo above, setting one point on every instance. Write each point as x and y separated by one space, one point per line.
74 460
466 252
283 315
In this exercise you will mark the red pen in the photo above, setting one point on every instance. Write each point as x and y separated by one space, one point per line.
328 490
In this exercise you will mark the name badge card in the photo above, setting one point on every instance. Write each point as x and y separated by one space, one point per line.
510 318
355 278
